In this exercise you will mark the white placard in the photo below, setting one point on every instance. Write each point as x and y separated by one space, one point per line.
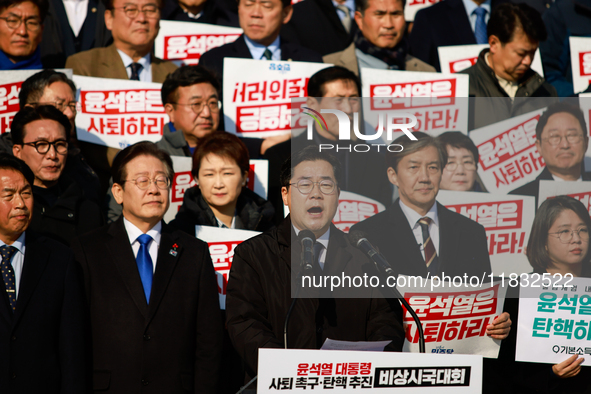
456 58
258 93
10 87
353 372
222 242
354 208
579 190
187 41
431 97
454 316
508 154
580 60
118 112
554 321
507 221
412 7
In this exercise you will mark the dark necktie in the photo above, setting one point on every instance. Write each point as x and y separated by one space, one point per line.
8 273
144 264
318 247
480 28
267 54
346 21
428 247
135 71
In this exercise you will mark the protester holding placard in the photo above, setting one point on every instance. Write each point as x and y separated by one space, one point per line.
380 41
462 162
221 198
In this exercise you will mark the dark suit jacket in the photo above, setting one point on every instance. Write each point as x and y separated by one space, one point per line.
43 344
462 243
173 345
259 296
315 24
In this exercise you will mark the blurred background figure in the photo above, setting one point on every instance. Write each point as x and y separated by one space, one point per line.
462 162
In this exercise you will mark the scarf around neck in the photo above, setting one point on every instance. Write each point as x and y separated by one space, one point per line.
32 63
395 57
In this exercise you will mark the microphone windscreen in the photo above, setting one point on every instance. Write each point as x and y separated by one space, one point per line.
306 234
355 236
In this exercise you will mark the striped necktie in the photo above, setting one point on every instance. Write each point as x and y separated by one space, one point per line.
428 247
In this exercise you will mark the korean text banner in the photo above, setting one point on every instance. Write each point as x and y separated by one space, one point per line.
222 242
413 6
508 154
579 190
580 59
119 113
187 41
454 317
341 371
433 98
507 221
258 93
554 319
10 87
455 58
354 208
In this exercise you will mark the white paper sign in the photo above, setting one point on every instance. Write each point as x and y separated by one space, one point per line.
508 155
119 113
507 221
258 93
354 208
456 58
412 7
454 316
554 320
10 87
580 60
579 190
187 41
431 97
354 372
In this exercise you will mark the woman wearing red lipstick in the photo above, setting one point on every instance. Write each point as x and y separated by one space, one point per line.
221 198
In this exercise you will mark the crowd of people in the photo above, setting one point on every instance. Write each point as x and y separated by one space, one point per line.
102 295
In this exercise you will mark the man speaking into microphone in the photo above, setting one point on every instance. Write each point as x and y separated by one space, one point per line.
259 292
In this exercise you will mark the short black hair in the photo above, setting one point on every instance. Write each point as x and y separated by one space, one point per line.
186 76
34 86
284 3
547 213
10 162
42 5
557 108
142 148
109 4
424 140
337 73
362 5
30 114
508 17
309 153
458 140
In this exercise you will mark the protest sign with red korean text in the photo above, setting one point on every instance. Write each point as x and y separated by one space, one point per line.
580 58
222 242
554 319
414 6
258 93
454 314
354 208
436 100
508 154
10 87
187 41
507 221
119 113
579 190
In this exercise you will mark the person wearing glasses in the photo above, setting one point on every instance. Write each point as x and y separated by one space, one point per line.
134 25
562 142
151 290
62 210
21 29
459 173
259 291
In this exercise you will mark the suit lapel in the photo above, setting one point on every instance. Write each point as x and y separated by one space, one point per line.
337 256
331 14
448 241
459 21
241 49
113 64
405 243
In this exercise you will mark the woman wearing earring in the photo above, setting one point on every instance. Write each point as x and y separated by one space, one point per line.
221 198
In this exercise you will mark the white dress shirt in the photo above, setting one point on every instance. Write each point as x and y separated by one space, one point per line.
17 260
413 219
133 233
470 6
257 50
145 73
76 11
323 239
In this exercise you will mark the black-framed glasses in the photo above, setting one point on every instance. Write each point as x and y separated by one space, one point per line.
150 11
143 182
572 139
214 105
61 105
468 165
42 147
13 22
566 236
305 186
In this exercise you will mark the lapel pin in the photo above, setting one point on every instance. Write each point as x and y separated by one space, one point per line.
173 251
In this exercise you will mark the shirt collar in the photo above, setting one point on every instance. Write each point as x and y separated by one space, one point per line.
413 216
19 243
144 61
471 6
257 50
133 232
350 4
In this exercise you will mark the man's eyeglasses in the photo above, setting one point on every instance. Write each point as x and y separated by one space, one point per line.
565 236
143 182
468 166
150 11
305 186
572 139
214 105
13 22
42 147
61 105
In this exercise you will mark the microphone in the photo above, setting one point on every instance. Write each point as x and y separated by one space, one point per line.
307 239
358 239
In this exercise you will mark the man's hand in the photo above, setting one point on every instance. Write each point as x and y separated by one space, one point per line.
270 141
569 367
500 327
